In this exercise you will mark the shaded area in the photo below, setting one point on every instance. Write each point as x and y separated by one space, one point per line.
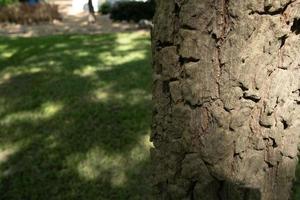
75 117
296 186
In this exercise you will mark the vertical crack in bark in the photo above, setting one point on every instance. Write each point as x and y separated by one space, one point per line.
221 190
282 40
224 15
191 190
219 41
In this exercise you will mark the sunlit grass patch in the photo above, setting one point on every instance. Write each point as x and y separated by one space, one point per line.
75 117
47 110
97 161
6 151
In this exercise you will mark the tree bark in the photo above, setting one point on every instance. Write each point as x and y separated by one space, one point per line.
226 113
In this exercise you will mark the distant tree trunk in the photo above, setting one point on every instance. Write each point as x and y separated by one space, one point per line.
226 97
92 17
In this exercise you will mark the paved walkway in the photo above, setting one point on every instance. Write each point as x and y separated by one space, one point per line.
71 24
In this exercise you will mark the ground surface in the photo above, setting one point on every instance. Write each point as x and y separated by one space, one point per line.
71 24
75 117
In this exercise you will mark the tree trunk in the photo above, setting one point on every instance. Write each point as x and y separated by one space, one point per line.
226 98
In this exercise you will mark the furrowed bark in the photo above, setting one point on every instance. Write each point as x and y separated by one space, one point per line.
226 115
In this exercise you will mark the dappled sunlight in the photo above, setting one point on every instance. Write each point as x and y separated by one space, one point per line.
5 77
133 97
123 38
129 43
100 95
8 74
104 95
113 168
98 163
6 152
52 142
7 54
46 111
140 152
21 116
49 109
82 54
139 95
110 59
88 71
78 110
3 47
60 45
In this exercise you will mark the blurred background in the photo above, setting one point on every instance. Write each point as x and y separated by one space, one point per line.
40 17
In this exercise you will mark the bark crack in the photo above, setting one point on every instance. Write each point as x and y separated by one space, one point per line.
296 26
220 190
160 45
219 40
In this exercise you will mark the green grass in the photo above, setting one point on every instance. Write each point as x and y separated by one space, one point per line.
75 117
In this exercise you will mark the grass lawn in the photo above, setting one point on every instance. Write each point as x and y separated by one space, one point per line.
75 117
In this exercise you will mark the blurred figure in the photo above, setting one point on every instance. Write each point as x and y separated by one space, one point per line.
92 17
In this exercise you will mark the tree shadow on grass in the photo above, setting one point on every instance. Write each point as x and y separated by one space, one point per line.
296 186
75 117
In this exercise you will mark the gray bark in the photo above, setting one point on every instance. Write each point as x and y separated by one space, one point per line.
226 114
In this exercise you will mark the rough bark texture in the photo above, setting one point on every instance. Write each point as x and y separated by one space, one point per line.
226 96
